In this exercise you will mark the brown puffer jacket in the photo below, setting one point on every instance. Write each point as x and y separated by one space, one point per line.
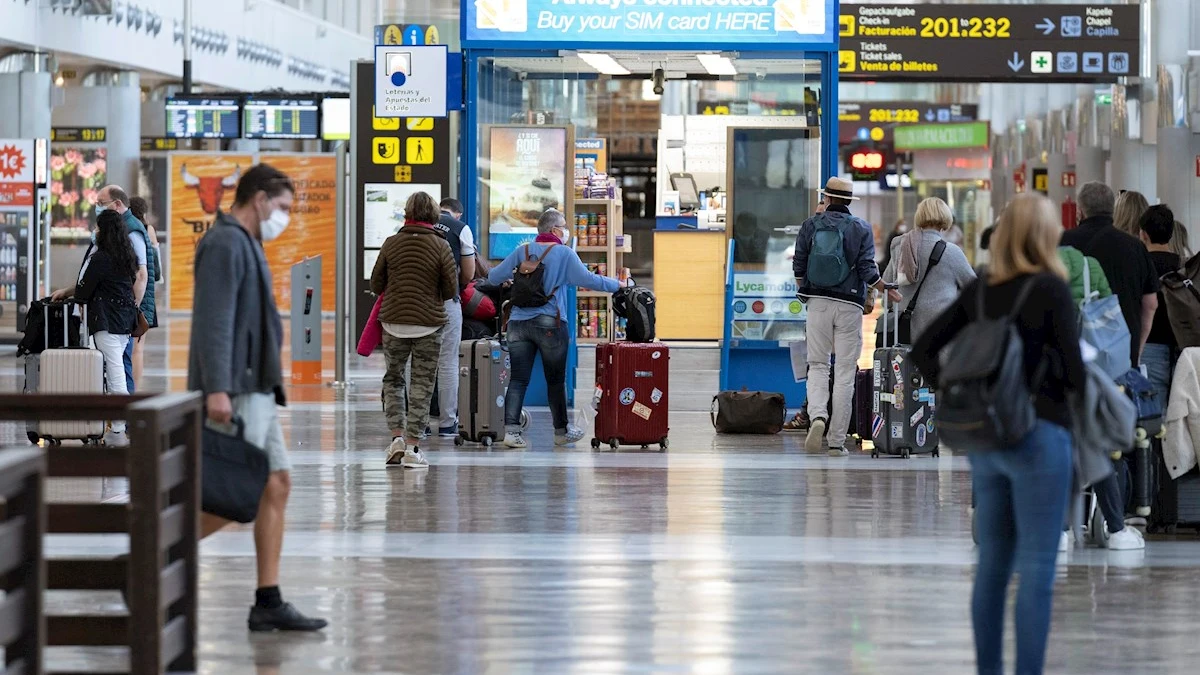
416 274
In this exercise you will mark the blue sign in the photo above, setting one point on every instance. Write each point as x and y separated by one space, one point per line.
761 24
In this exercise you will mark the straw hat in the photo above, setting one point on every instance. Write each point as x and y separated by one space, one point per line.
838 187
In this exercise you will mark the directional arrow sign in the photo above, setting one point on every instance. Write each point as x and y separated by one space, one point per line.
930 115
1016 63
1047 26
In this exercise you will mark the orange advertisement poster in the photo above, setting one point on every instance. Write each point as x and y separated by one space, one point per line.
200 185
311 231
203 183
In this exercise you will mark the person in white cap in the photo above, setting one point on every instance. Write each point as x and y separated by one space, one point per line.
834 266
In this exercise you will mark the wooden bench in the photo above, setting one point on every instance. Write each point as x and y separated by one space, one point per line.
162 465
22 571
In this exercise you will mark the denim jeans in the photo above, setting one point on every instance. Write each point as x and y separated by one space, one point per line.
1021 497
1157 359
128 358
526 339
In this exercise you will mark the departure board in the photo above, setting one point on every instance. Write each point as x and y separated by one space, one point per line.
203 117
281 118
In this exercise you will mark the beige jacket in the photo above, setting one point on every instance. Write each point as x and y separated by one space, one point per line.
1182 443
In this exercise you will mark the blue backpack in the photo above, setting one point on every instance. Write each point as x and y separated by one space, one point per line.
827 266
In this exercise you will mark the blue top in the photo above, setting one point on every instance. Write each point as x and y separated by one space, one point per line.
563 268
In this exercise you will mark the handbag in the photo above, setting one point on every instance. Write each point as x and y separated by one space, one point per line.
904 332
142 325
748 412
233 472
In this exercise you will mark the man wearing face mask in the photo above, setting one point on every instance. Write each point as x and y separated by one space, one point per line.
115 198
235 360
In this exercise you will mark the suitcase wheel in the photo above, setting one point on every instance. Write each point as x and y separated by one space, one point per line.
874 454
595 443
487 441
904 453
33 437
614 443
459 440
937 452
645 446
663 444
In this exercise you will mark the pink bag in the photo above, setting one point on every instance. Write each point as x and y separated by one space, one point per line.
372 335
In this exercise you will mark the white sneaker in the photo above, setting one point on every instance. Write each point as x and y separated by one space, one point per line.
1128 539
515 439
1064 542
838 452
414 459
116 439
395 452
573 435
816 430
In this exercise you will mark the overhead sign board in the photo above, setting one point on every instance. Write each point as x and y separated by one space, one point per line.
410 80
78 134
989 43
567 23
942 136
906 112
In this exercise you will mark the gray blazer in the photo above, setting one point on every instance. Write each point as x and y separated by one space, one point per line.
236 330
946 281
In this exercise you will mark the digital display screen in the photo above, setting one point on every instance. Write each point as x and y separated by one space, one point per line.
335 119
204 117
281 118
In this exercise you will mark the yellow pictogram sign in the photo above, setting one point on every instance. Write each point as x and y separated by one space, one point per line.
392 35
420 150
847 61
403 174
385 150
384 123
419 123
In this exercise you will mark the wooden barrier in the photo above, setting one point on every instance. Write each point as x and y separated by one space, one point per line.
22 569
162 464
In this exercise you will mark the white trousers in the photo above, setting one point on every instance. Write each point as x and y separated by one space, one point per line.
113 349
834 329
447 377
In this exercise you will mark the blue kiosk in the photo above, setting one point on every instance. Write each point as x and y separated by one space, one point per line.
541 65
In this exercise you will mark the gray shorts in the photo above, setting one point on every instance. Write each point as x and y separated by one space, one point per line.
260 416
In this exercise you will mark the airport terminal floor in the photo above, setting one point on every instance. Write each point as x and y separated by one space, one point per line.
723 555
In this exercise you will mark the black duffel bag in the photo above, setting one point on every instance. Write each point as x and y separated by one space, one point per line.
234 474
748 412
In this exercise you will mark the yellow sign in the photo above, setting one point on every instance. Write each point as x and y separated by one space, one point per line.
420 150
403 174
385 150
431 36
384 123
419 123
847 61
392 35
846 25
1041 182
876 134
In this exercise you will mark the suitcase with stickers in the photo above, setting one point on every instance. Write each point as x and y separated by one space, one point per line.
902 406
631 388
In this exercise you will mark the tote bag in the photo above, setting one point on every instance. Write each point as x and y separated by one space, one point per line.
1102 325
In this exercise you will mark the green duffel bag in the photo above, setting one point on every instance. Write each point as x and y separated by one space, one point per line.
748 412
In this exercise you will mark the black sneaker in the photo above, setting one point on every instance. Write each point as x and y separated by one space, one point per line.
283 617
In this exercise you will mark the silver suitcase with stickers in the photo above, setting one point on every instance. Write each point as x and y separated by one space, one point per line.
484 369
902 405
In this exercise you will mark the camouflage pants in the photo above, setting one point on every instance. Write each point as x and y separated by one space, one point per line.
411 412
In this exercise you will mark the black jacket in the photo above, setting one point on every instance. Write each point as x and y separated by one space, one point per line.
108 293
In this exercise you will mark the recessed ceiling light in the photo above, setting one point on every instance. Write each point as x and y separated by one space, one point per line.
716 64
603 63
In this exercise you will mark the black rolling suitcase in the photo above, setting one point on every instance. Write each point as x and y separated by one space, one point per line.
902 405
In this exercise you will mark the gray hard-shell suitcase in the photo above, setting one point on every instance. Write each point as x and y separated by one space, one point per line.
484 368
902 405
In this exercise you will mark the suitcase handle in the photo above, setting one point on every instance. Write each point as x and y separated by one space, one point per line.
65 304
886 305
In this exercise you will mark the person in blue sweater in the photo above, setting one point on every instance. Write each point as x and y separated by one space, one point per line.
544 329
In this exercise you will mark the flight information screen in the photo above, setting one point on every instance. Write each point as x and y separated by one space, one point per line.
208 117
281 118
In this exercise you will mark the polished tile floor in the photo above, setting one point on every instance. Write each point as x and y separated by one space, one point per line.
724 555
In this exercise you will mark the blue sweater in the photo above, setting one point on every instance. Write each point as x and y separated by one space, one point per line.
563 269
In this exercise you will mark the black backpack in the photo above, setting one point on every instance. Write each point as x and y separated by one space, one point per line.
529 286
984 401
635 304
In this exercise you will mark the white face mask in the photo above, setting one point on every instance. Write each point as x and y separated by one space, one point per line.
274 226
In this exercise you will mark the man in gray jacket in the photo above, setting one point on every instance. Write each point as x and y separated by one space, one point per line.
235 360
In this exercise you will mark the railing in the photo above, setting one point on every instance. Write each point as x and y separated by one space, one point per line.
163 469
22 572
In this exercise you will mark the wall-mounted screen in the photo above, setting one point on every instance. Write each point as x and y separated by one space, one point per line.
281 118
204 117
335 119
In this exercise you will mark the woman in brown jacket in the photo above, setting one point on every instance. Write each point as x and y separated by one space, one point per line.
416 274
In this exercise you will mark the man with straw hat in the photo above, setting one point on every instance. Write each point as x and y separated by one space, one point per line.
834 266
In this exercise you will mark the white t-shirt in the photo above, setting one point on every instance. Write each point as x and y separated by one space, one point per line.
405 331
468 242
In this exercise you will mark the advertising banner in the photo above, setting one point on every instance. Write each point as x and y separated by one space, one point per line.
76 175
203 183
16 215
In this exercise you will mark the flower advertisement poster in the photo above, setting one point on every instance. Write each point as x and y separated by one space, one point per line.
76 175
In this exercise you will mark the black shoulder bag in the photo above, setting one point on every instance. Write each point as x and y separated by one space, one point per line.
905 331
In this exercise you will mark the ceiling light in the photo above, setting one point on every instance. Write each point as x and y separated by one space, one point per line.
603 63
716 64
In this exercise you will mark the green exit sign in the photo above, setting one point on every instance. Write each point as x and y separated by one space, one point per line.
1103 99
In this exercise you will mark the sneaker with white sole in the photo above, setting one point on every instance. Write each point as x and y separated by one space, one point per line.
448 432
1128 539
1064 542
571 436
838 452
515 439
414 459
816 430
116 439
395 452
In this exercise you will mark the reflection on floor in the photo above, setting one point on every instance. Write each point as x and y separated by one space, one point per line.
725 555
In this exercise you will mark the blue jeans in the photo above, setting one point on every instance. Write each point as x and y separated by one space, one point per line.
1021 497
1157 359
129 365
526 339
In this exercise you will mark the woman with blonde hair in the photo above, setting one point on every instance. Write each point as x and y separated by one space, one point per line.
1021 492
1127 214
931 271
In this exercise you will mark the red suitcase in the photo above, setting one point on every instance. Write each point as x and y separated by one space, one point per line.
631 385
